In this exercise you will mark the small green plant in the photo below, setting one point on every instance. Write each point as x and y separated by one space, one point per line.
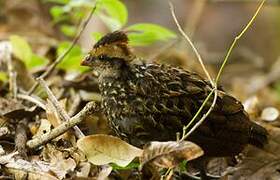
67 13
3 76
23 51
113 13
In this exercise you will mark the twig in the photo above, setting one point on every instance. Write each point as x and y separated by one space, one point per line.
191 44
185 135
11 72
62 113
89 109
237 38
62 56
35 100
269 2
214 85
21 138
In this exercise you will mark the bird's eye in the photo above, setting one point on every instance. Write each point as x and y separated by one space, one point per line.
101 57
87 58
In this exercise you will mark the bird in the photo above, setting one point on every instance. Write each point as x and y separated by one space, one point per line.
146 102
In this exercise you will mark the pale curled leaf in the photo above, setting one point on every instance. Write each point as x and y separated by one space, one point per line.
34 169
169 154
103 149
59 164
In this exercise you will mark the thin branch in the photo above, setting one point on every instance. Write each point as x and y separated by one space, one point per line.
62 113
21 138
184 136
204 115
214 85
34 100
236 39
269 2
89 109
62 56
11 72
186 37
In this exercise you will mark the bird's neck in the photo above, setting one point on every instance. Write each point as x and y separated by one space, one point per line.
113 72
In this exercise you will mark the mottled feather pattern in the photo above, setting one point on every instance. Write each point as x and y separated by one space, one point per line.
153 102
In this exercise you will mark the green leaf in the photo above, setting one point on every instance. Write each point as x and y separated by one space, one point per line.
132 165
23 51
56 12
116 13
97 36
68 30
60 13
57 1
21 48
145 34
36 61
3 76
72 60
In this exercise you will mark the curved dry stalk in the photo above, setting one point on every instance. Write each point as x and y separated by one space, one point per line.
237 38
62 113
34 100
186 37
213 83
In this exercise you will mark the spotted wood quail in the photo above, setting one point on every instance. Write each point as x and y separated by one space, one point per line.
151 102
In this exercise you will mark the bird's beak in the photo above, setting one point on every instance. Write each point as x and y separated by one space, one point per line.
85 61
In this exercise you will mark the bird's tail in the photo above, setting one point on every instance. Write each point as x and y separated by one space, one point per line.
258 135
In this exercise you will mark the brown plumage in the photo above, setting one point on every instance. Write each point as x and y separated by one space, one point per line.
151 102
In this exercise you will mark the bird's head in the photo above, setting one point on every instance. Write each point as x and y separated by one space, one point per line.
112 49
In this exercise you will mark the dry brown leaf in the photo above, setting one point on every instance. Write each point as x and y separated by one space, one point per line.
45 127
104 172
22 169
36 175
59 164
83 169
169 154
103 149
10 108
52 116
